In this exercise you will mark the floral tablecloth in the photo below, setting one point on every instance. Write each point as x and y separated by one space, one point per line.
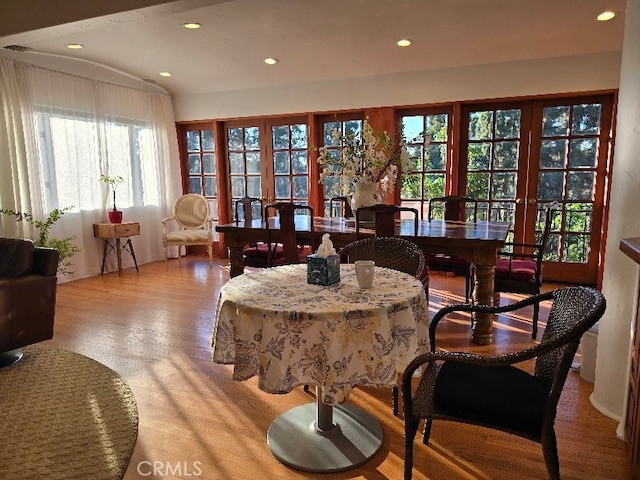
273 324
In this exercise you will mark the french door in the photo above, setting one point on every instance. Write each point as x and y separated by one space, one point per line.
517 156
268 159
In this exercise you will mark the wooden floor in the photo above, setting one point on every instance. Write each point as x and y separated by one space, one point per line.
154 328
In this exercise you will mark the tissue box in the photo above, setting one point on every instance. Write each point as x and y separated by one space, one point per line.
323 271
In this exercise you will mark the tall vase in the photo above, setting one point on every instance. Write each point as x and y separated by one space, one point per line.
364 195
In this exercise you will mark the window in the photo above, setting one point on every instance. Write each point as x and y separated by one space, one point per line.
201 160
74 148
290 162
428 144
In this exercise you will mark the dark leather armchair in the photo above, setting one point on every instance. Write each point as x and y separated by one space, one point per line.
27 295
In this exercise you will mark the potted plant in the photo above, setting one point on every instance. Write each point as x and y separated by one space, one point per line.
115 215
65 246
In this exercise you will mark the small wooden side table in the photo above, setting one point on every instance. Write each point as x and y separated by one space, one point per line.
116 231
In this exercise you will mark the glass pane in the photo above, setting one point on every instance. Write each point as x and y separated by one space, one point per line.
479 156
207 140
483 209
194 163
412 126
283 187
253 162
193 140
236 162
503 185
415 153
575 248
555 121
234 139
503 212
437 127
300 162
329 134
237 187
209 163
300 187
195 185
478 185
553 153
508 123
331 187
435 157
254 187
586 119
353 128
433 185
281 162
410 188
280 137
252 138
506 155
580 186
550 185
210 189
553 247
299 136
578 217
583 152
480 125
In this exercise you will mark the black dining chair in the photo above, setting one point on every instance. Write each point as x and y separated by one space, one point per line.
340 205
286 212
499 391
255 254
453 208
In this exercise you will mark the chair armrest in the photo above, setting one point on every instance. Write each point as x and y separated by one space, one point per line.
471 308
165 222
45 261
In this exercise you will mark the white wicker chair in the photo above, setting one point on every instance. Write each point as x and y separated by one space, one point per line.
195 227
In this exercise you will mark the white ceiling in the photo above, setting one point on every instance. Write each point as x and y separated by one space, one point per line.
314 40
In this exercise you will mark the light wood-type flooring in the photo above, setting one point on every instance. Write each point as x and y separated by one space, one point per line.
154 328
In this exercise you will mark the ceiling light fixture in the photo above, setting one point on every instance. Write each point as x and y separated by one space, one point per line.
192 25
403 42
74 46
270 61
165 74
604 16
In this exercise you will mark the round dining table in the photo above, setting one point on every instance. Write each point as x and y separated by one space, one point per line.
273 324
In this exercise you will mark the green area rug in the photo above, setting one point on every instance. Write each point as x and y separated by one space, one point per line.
65 416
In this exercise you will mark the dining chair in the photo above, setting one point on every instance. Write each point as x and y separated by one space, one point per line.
194 225
453 208
519 265
256 254
384 226
498 391
388 252
342 205
286 213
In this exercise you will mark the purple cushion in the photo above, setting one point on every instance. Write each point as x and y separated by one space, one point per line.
520 269
16 257
436 259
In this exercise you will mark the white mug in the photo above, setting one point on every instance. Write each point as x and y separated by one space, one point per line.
365 272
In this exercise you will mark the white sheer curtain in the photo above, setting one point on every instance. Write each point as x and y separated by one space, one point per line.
59 133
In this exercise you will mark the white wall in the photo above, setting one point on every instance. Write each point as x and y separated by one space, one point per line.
513 79
620 272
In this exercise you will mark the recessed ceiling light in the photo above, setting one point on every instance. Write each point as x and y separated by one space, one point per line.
165 74
604 16
403 42
192 25
74 46
270 61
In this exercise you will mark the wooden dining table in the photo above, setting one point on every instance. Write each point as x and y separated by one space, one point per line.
477 242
